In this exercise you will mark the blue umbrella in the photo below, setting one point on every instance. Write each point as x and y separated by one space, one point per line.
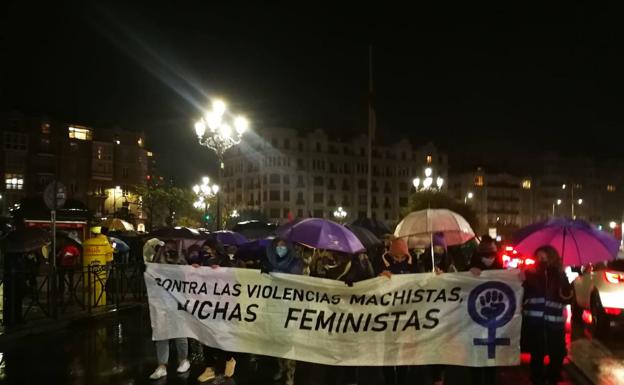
118 245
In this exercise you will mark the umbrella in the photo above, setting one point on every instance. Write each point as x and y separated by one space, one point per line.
229 238
116 224
177 232
29 239
379 228
368 239
118 245
322 234
254 250
149 249
577 241
419 226
255 229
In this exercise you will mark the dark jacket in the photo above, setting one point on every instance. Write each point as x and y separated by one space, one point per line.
222 260
387 263
290 263
546 292
476 261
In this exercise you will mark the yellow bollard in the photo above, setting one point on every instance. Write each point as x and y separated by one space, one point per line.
97 253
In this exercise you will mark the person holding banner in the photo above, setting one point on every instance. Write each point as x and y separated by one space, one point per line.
213 255
169 255
397 260
281 258
485 258
546 292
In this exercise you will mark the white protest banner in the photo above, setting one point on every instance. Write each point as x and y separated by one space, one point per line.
416 319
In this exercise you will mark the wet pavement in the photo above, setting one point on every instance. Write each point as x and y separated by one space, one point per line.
599 357
118 350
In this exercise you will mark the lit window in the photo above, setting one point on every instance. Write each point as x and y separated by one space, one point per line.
117 141
429 159
150 154
140 142
610 188
14 181
99 152
526 184
79 132
45 128
478 180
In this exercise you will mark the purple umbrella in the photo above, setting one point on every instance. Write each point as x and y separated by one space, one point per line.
229 238
322 234
577 241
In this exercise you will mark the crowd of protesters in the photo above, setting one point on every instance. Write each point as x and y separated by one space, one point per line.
546 292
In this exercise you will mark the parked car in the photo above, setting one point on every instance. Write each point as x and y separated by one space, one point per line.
599 294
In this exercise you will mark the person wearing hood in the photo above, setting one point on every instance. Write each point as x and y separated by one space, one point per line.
397 260
443 263
281 258
485 256
169 254
214 256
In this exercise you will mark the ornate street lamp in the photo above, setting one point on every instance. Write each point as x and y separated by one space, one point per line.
204 193
217 131
427 182
340 214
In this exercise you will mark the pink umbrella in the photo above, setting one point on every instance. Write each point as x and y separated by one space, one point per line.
577 241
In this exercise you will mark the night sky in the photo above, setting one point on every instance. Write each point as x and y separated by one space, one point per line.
516 81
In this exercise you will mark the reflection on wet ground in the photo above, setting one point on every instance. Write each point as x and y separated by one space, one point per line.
119 351
599 357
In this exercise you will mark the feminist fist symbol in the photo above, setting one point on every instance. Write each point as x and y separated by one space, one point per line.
492 304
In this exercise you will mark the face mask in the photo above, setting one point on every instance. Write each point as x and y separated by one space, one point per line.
487 261
281 251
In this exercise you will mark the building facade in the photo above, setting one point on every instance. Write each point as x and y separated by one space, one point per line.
287 174
99 167
555 186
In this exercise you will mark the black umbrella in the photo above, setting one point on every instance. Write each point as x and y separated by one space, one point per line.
375 226
177 232
255 229
29 239
368 239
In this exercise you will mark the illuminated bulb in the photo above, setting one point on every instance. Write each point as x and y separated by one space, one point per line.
218 106
241 124
200 128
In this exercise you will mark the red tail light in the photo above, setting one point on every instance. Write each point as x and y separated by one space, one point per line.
612 311
614 277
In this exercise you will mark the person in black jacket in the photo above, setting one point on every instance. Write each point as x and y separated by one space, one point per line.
546 292
485 257
213 255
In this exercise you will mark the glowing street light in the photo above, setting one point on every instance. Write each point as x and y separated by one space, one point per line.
612 225
470 195
204 193
557 203
340 214
219 133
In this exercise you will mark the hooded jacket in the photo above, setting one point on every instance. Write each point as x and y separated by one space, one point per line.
290 263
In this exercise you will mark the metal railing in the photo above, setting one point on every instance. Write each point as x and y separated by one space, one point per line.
30 295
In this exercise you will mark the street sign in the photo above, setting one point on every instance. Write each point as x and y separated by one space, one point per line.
49 195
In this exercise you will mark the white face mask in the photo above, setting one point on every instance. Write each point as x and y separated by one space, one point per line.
487 261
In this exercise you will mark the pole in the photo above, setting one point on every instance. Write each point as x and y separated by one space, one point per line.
52 254
572 192
221 167
553 210
371 133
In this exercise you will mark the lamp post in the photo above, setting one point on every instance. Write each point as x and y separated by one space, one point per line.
204 192
426 183
470 195
573 202
340 214
219 132
115 191
557 202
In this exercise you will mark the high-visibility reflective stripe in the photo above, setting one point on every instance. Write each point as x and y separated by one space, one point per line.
534 300
533 313
556 305
553 318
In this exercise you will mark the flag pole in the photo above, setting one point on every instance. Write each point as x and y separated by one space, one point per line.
371 134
